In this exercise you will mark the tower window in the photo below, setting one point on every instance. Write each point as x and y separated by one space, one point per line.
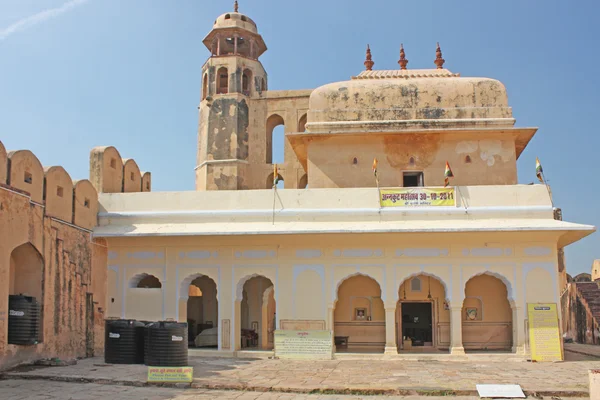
132 176
113 163
59 191
246 79
28 178
244 18
86 203
468 159
411 161
413 179
227 16
223 82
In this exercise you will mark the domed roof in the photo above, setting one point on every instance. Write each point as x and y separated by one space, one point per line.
396 98
235 20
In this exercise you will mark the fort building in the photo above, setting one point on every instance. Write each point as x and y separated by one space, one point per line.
392 256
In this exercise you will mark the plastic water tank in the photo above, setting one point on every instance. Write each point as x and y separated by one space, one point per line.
23 320
124 342
167 344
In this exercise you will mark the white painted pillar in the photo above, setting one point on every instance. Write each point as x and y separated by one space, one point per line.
518 322
456 343
330 325
390 331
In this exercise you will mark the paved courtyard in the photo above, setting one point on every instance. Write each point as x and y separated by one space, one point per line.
401 377
51 390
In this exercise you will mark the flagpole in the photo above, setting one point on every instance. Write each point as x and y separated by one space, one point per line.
547 188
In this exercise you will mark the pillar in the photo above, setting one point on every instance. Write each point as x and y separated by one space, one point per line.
390 331
456 343
235 42
518 323
218 45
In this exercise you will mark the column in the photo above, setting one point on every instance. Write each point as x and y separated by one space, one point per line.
518 323
390 331
456 343
330 323
218 45
235 42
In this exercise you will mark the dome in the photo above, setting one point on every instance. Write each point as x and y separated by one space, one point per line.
235 20
383 97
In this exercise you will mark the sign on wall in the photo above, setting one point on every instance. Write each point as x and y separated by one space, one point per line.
544 334
417 196
303 345
170 374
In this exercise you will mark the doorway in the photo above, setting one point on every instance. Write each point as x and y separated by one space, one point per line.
417 324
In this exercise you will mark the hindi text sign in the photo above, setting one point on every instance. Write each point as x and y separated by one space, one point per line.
170 374
303 345
417 197
544 335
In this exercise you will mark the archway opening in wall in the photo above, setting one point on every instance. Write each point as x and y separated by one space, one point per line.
257 314
203 313
222 81
147 281
359 316
270 181
204 86
25 277
422 316
247 82
302 123
274 140
486 315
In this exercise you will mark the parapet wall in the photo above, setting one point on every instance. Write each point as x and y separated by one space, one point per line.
109 173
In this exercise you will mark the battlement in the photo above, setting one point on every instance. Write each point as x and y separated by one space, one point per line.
109 173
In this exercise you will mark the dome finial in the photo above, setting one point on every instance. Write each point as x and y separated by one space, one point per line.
235 6
369 62
439 61
403 61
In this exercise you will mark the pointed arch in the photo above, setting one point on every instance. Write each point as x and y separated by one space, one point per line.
509 288
247 82
204 86
302 123
303 182
273 121
145 281
26 271
365 274
447 289
222 81
187 281
240 286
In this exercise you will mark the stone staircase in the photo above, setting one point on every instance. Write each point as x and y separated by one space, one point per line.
589 295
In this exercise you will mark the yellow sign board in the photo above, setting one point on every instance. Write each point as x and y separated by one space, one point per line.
544 334
417 197
304 345
170 374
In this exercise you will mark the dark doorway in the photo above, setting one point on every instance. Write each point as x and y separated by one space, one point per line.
417 323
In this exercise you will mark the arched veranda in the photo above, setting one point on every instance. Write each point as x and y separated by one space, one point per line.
422 315
255 313
359 316
200 311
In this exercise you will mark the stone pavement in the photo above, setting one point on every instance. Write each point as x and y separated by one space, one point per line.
51 390
399 377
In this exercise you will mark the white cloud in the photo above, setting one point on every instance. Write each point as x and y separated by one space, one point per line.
42 16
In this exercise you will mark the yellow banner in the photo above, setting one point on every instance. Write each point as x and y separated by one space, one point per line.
303 345
170 374
544 335
417 197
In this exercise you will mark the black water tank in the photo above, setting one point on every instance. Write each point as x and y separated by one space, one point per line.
124 342
23 320
167 344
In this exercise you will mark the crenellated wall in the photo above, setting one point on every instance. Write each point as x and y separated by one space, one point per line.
109 173
46 251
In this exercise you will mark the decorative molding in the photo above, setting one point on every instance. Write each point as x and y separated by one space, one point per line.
112 255
225 334
537 251
255 254
146 255
423 271
547 266
422 252
487 252
308 253
358 253
198 254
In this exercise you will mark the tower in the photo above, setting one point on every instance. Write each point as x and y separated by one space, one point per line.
231 78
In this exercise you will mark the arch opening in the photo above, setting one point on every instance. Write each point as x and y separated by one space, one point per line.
204 86
145 281
487 315
274 140
222 81
422 315
26 272
246 82
359 316
303 182
202 311
302 123
257 310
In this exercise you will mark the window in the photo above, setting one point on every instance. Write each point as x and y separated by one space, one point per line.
205 86
246 82
415 285
148 186
468 159
59 191
244 18
227 16
86 203
132 176
413 179
28 178
223 84
113 163
411 161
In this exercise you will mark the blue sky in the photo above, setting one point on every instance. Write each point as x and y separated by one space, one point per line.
127 73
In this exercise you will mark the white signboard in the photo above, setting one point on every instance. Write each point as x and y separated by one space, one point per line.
502 391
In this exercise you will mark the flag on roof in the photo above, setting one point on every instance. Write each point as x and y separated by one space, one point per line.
538 170
375 166
447 174
275 175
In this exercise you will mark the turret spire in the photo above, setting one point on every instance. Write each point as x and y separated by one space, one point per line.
403 61
369 62
235 6
439 61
